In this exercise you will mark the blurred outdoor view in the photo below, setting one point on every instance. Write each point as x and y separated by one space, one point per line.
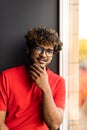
83 64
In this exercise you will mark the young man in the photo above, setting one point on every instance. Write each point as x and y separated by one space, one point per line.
32 97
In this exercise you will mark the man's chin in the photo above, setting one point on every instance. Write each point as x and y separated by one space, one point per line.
42 65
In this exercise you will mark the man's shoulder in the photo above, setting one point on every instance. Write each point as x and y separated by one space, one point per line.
54 75
13 70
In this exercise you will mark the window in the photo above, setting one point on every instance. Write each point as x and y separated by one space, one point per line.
69 15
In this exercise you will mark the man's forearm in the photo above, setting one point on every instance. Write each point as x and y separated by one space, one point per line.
52 116
2 121
3 126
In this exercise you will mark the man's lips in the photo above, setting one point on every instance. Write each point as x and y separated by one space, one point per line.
42 61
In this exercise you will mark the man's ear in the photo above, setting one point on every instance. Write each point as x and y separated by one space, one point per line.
27 50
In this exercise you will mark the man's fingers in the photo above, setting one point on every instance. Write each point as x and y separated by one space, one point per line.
34 70
38 67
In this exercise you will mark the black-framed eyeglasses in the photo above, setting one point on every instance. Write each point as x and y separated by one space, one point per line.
48 52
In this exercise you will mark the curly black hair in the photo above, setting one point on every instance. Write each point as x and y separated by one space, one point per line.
43 36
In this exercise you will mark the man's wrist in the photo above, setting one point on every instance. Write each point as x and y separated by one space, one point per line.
47 90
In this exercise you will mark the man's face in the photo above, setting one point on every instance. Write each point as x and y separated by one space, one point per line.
41 55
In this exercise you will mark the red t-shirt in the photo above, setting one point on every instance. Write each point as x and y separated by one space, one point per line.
22 99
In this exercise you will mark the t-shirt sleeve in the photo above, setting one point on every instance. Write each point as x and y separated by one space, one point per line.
60 93
3 93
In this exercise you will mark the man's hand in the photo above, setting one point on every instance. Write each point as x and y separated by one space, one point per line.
39 75
53 116
2 120
3 126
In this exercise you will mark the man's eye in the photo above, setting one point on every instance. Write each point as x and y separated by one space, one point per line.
50 51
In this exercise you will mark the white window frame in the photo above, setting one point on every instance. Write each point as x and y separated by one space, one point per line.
64 25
